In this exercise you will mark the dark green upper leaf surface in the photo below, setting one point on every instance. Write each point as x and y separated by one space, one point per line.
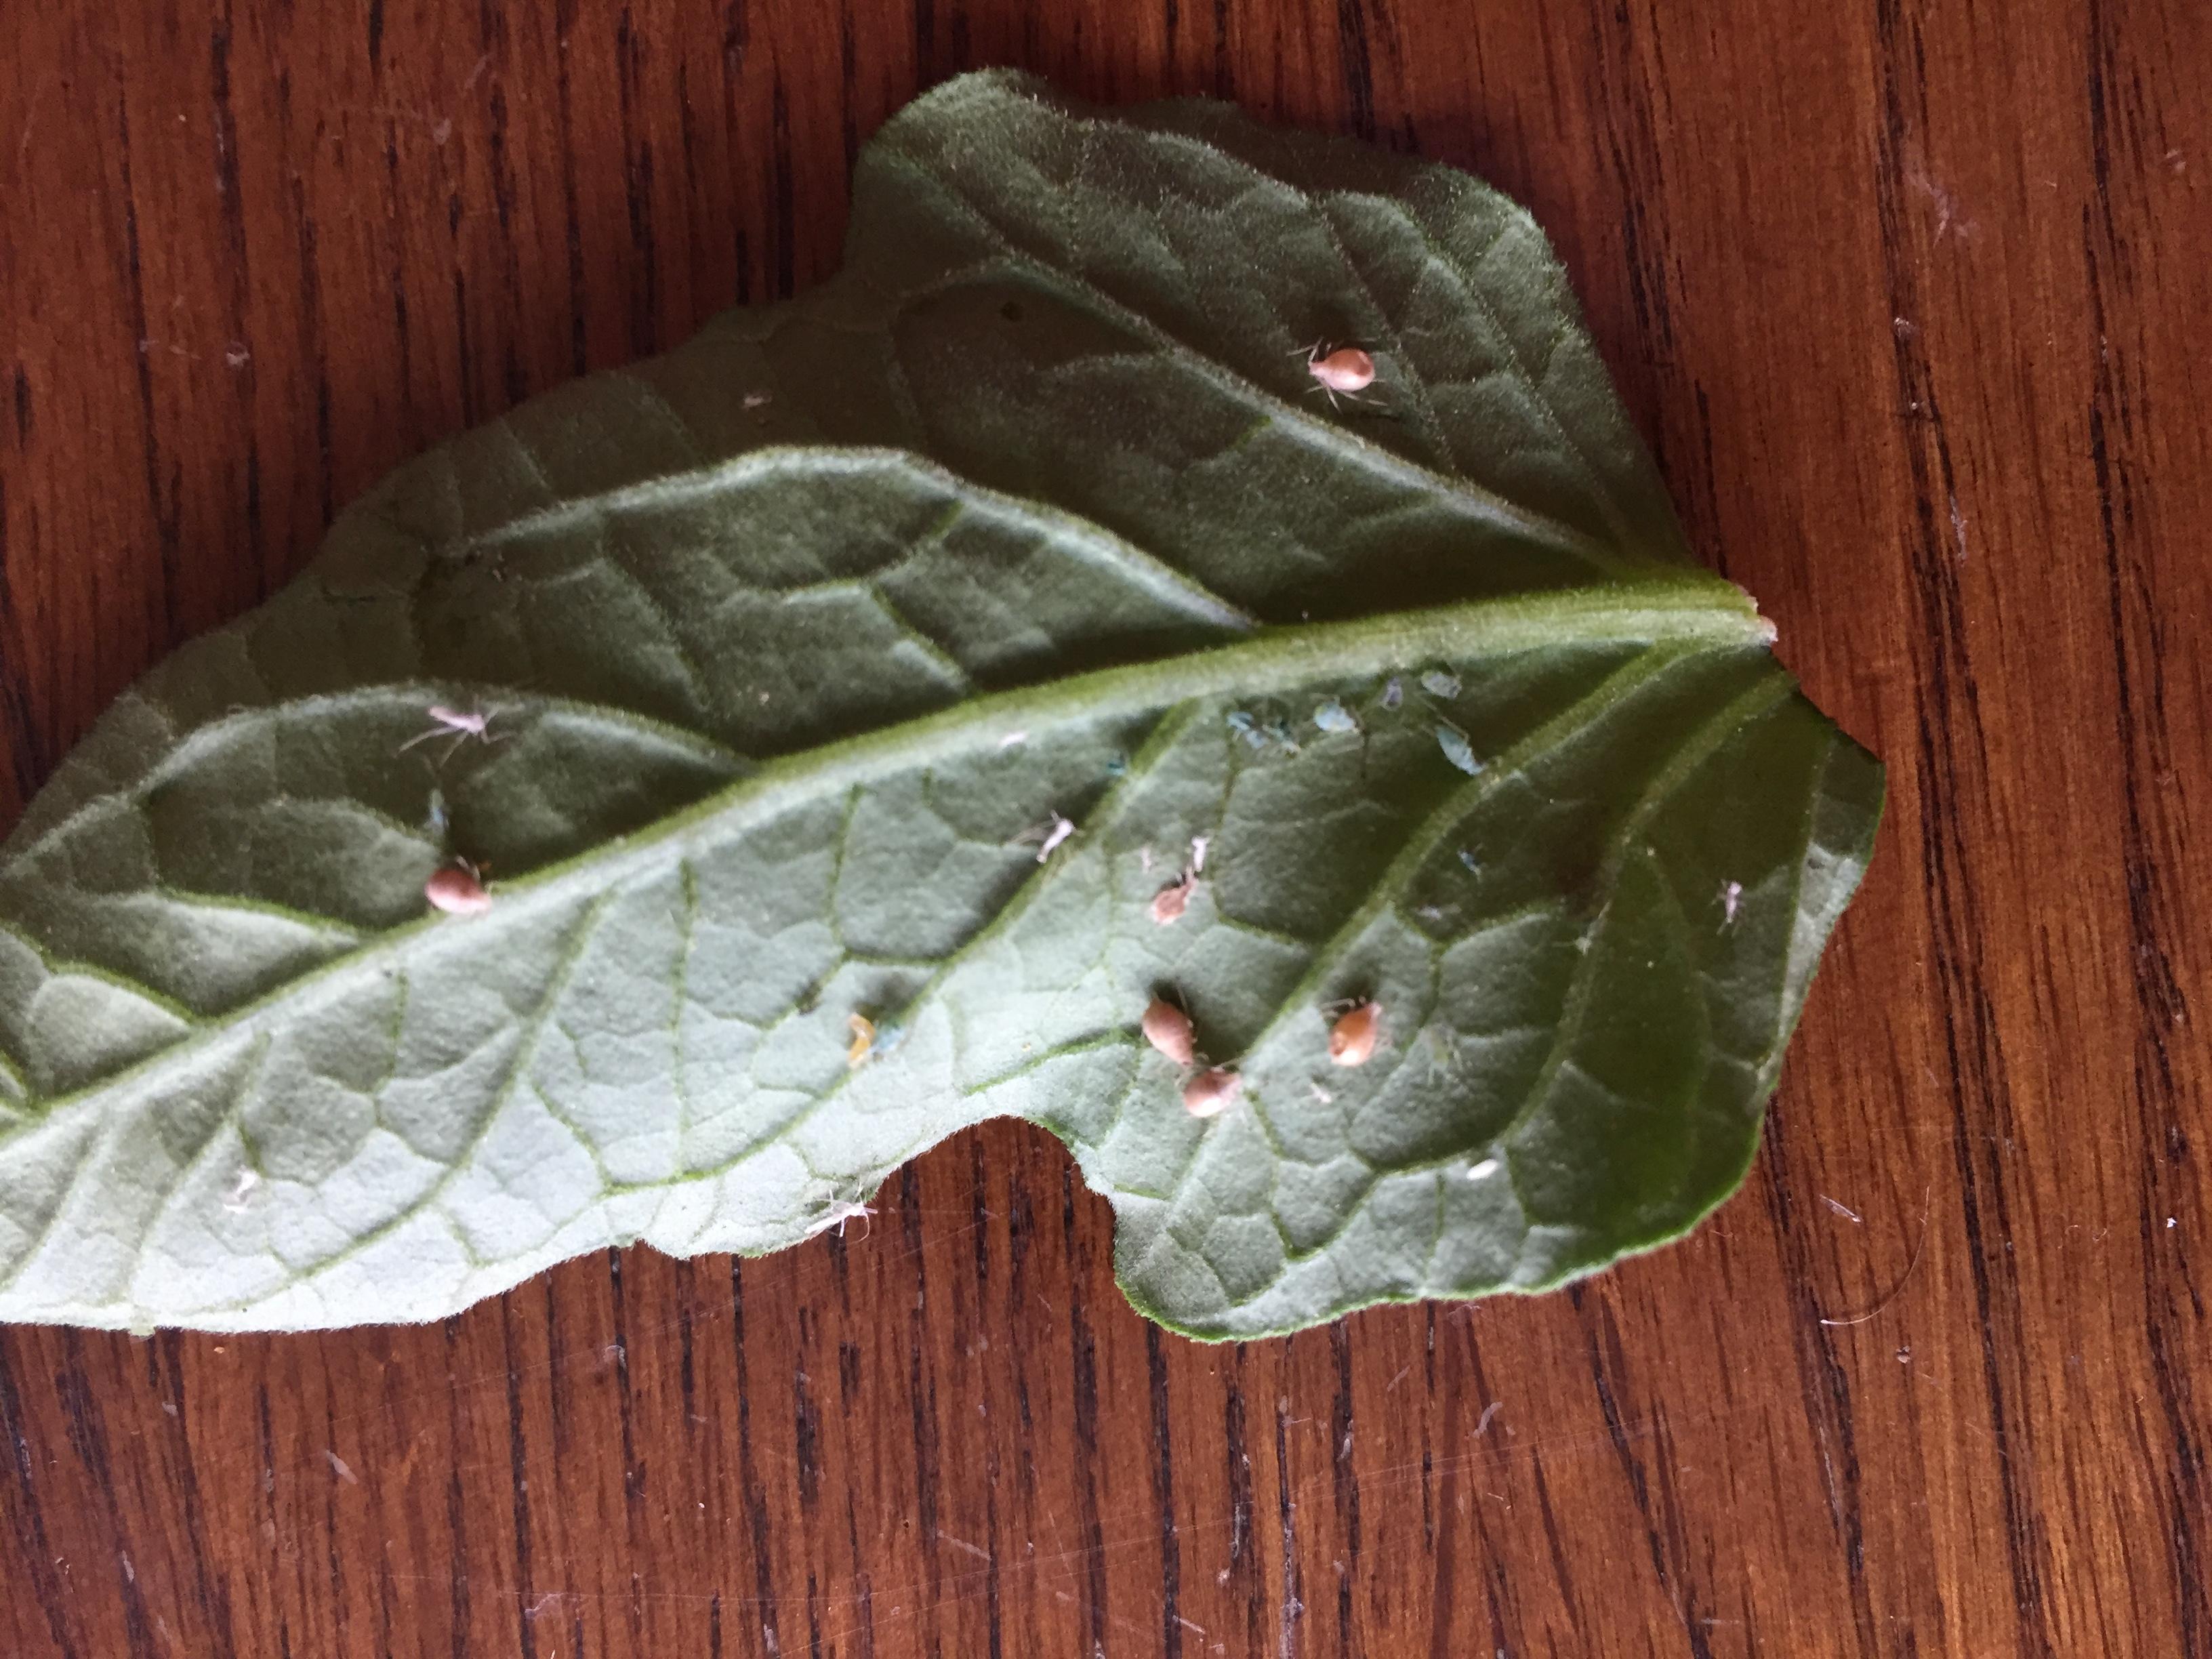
798 643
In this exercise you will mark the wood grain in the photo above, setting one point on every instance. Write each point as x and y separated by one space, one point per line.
1911 297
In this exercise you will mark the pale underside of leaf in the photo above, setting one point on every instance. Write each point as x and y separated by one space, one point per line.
879 658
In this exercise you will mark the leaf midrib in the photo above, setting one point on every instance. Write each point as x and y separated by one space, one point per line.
1691 607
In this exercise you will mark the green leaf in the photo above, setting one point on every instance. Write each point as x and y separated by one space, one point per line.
885 654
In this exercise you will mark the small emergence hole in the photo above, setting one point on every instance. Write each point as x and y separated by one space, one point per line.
1011 311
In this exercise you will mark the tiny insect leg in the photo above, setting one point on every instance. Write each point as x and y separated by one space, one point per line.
1338 399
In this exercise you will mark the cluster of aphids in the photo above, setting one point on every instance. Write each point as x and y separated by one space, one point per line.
1264 729
1357 1026
1209 1090
1341 372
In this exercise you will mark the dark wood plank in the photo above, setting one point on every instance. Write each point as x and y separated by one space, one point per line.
1910 298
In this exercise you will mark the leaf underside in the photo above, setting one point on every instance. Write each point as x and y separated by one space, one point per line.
804 645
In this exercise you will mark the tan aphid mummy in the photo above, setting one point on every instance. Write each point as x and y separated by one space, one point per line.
1347 369
1351 1039
454 888
1213 1092
864 1039
1167 1028
1172 900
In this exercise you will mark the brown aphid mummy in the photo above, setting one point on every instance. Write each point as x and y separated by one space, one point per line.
455 888
1212 1092
1351 1039
1167 1028
1172 900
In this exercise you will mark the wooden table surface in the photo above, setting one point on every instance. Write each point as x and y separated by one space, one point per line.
1911 297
